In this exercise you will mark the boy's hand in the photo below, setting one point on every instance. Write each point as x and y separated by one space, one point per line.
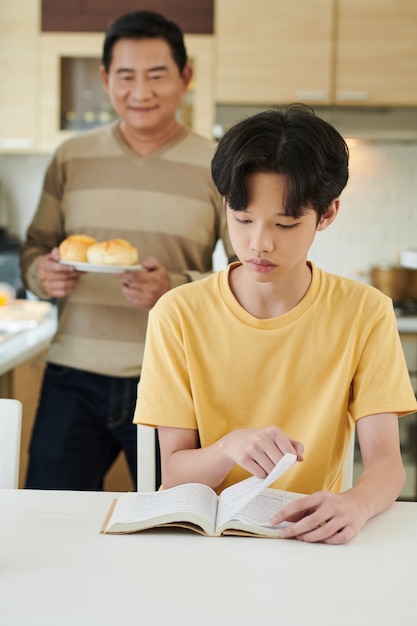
258 450
322 517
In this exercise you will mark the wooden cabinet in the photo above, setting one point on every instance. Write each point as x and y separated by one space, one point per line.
273 51
321 52
54 46
376 53
19 25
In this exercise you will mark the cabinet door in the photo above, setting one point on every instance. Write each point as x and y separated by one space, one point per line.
274 51
19 23
55 46
376 60
52 47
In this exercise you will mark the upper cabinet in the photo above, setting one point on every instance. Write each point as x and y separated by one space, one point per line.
58 86
273 51
322 52
19 25
376 52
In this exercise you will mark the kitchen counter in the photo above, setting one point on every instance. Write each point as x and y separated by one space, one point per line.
21 345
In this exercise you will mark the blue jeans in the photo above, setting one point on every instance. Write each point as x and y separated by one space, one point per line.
83 421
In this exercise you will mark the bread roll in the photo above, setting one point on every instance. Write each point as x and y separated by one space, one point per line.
113 252
74 248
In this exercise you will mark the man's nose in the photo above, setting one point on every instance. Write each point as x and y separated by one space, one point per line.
141 88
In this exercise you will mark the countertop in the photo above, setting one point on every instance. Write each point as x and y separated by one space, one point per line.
21 345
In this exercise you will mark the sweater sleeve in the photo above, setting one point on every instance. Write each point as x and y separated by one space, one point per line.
46 230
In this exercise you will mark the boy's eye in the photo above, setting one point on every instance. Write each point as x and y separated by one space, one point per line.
287 226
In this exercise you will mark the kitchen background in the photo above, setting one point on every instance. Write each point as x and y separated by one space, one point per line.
353 61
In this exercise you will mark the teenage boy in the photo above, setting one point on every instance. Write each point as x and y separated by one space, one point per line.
274 355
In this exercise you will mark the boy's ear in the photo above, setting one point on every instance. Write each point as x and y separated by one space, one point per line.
329 216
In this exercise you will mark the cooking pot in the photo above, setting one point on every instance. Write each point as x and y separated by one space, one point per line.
399 283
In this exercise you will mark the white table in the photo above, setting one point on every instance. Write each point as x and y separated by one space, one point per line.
57 570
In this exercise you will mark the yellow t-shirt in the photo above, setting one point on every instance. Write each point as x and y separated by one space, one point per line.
334 358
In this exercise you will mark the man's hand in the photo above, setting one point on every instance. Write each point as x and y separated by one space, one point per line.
57 280
143 289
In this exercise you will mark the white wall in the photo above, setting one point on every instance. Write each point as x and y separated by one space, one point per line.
377 219
378 214
21 177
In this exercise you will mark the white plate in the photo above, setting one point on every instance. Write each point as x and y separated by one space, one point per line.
103 269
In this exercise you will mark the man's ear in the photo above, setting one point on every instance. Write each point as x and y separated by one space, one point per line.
329 216
104 78
186 76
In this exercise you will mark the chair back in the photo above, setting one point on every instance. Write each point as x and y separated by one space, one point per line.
348 465
146 458
10 433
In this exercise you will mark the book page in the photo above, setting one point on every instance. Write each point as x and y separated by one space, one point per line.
234 498
179 503
263 507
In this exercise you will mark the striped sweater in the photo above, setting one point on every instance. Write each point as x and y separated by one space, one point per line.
164 203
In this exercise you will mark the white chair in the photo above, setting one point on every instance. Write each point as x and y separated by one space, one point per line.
10 432
146 458
348 465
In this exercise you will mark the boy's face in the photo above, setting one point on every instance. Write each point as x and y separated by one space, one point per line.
144 84
270 244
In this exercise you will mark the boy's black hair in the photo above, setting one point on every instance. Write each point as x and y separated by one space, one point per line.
145 25
295 143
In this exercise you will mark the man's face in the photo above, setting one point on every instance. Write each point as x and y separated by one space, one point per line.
144 84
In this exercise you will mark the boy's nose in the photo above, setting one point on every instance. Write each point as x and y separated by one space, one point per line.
261 242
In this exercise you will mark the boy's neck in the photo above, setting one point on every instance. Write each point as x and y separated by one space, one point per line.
267 300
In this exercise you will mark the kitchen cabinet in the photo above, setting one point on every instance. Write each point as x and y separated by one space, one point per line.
323 52
198 104
30 78
273 51
376 52
19 26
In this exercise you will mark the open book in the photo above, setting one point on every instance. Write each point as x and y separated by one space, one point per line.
242 509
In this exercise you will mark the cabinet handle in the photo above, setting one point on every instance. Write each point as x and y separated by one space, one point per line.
353 95
311 94
16 144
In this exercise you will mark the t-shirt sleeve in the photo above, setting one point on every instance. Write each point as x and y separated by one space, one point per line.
381 383
164 393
